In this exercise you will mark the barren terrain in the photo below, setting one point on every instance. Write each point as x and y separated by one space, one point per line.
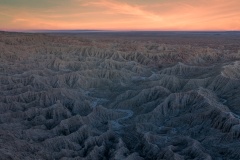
119 96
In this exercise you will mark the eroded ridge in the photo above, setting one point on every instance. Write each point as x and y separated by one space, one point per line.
110 97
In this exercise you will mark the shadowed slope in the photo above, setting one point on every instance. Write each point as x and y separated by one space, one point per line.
103 97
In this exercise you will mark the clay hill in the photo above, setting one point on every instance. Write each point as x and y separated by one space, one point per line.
119 96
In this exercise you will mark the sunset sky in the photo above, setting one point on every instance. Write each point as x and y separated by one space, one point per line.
120 14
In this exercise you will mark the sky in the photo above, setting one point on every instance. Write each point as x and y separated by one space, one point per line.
161 15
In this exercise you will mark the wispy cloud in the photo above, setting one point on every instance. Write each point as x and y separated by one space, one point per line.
125 14
116 7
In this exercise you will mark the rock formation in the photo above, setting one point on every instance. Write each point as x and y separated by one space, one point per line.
114 97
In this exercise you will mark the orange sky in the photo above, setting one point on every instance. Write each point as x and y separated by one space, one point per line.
120 14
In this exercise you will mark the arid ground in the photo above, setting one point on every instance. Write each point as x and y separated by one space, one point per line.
132 95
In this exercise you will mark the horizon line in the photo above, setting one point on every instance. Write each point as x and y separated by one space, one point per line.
109 30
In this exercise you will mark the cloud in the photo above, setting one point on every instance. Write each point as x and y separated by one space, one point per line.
116 7
125 15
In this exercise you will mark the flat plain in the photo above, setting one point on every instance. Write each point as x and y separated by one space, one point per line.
122 95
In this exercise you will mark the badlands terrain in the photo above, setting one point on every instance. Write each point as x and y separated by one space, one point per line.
132 96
